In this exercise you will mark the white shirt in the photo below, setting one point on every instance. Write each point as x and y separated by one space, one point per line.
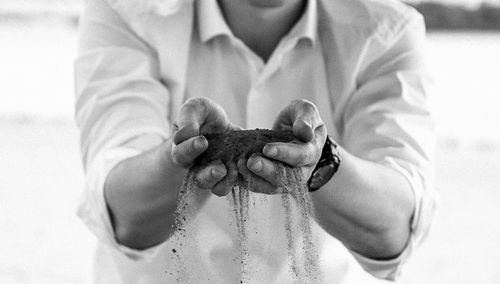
360 62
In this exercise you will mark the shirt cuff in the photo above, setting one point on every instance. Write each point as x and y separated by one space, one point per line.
92 208
425 206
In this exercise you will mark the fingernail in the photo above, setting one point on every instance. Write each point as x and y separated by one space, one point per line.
271 151
217 173
257 166
199 144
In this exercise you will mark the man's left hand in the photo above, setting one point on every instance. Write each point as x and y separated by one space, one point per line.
301 117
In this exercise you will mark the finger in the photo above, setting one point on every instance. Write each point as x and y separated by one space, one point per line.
306 120
188 121
186 152
302 130
260 185
265 169
256 183
199 116
242 168
302 117
211 174
293 154
224 186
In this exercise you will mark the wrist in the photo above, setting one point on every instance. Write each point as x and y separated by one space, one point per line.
326 167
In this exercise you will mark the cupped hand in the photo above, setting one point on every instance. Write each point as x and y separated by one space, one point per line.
302 117
199 116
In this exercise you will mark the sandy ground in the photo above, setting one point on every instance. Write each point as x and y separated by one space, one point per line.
43 242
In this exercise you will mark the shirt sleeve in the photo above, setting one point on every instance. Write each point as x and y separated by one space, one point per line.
121 108
388 121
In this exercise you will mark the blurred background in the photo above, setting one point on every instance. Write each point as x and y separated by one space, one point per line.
42 241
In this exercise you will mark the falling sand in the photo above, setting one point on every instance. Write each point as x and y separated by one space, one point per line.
297 206
295 201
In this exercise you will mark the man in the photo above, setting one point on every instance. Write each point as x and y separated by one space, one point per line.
152 80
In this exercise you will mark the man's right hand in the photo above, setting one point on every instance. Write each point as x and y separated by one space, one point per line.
199 116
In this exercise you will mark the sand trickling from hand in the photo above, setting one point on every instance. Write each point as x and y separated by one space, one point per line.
240 204
298 221
298 211
184 234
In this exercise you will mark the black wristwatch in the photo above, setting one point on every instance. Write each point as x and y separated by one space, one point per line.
326 167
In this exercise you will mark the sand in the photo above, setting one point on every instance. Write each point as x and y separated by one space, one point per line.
297 205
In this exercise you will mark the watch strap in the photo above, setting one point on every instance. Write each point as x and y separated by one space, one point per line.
326 167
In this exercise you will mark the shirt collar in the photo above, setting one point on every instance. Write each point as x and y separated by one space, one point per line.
306 27
211 22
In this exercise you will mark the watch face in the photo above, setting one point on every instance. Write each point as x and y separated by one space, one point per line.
322 176
326 167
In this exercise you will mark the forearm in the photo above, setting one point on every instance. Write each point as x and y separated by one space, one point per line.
141 194
367 206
